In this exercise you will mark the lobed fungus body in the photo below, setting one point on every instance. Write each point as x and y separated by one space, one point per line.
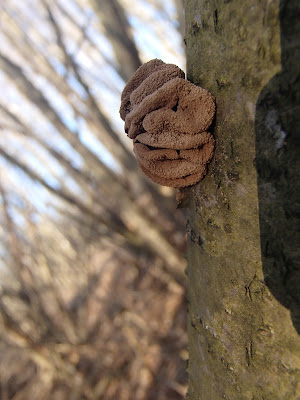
167 117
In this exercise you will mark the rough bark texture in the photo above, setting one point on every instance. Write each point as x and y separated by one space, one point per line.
243 219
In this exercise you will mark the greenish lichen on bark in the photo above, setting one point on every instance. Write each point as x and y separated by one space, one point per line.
243 342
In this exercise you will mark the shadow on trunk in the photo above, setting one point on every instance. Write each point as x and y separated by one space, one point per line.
278 167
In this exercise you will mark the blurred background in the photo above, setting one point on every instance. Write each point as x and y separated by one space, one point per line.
92 283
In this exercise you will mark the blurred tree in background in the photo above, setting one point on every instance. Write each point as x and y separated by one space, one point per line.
91 256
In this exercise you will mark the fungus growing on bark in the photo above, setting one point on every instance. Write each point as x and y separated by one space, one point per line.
167 117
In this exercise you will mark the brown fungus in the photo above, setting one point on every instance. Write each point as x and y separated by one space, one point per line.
167 117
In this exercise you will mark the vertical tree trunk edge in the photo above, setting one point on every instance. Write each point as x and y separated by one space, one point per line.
243 218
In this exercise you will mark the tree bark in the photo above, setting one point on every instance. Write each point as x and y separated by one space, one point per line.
243 219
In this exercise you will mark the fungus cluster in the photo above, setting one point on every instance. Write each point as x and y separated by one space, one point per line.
167 118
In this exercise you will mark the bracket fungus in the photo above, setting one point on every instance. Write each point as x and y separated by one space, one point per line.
167 118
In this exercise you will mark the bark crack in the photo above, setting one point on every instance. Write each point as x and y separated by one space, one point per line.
248 353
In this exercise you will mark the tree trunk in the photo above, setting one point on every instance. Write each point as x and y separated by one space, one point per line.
118 31
243 220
